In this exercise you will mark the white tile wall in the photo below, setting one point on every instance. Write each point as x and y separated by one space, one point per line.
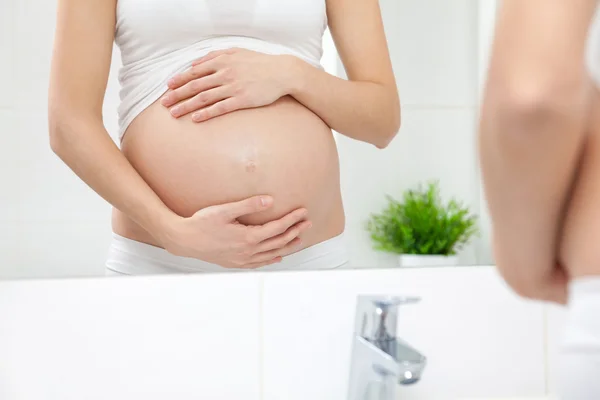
51 222
142 338
481 341
486 22
111 99
7 45
10 180
34 33
9 199
486 12
50 190
42 248
433 49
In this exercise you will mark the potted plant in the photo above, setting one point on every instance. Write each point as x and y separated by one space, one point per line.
421 229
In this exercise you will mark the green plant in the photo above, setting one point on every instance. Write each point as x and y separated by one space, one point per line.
422 224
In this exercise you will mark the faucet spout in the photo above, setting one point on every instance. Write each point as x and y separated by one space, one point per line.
411 362
381 360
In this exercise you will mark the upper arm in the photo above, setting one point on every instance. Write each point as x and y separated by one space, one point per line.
81 58
357 30
539 47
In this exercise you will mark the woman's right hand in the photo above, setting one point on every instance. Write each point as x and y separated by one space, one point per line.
214 235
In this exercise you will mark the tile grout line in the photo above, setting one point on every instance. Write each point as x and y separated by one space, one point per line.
546 358
261 339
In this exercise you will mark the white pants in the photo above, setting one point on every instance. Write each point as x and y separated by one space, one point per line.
130 257
579 364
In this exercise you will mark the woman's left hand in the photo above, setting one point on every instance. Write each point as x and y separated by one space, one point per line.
224 81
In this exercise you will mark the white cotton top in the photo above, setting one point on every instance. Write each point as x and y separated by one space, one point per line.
592 57
160 38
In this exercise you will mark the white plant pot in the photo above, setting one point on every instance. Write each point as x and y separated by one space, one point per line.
415 260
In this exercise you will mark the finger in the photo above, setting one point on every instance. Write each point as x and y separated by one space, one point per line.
189 90
282 240
231 211
204 99
222 107
279 226
288 249
212 55
195 72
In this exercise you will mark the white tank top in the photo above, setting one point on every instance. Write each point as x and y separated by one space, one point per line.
592 56
160 38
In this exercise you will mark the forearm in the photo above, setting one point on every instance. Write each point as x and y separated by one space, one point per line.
529 150
366 111
85 146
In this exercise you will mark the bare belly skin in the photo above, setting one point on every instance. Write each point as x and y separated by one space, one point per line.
283 150
580 247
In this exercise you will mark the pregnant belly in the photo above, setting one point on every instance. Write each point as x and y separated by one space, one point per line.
283 150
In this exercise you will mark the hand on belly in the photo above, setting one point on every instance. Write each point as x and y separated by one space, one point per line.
227 80
214 235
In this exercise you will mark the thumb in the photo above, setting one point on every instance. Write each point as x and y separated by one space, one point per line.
247 206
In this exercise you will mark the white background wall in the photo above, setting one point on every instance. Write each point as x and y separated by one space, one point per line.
51 224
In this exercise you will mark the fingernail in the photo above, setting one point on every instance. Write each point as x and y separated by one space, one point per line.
196 117
175 111
165 100
171 82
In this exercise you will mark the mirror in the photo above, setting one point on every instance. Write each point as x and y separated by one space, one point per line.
54 225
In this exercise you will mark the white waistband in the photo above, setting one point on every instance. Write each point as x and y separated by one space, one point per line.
130 257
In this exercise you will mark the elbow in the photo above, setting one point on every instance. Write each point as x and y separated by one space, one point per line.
55 133
519 284
64 122
388 132
58 132
523 290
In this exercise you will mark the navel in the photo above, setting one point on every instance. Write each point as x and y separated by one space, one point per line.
250 166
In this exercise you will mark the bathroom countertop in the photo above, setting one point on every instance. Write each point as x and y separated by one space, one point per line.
509 398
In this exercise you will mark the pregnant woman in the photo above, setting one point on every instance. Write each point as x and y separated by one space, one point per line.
226 157
540 151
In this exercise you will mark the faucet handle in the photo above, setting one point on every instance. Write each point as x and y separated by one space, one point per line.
387 302
377 316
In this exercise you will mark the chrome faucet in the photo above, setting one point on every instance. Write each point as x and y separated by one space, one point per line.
381 360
